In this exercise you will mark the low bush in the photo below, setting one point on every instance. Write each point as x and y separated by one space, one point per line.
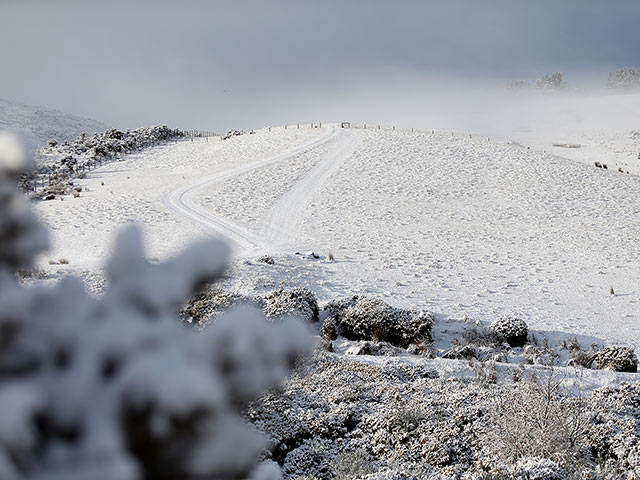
364 318
299 302
209 303
618 358
512 330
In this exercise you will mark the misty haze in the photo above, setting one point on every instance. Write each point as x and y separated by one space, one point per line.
319 240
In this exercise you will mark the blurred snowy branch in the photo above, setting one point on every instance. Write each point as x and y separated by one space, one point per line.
116 388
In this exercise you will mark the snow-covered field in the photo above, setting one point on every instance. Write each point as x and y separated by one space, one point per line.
456 224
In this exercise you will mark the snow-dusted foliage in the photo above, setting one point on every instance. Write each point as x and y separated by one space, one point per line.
552 81
614 435
299 302
624 79
532 468
618 358
266 259
372 348
88 149
365 318
68 159
232 133
512 330
341 418
116 388
210 302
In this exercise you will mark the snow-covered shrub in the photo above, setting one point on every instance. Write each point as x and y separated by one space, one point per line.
539 352
116 388
297 301
552 81
424 349
537 419
266 259
618 358
624 79
71 158
416 425
459 352
232 133
365 318
532 468
614 435
329 328
512 330
372 348
210 302
352 464
478 343
481 336
577 356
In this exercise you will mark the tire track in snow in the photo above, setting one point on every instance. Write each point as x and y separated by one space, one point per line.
182 202
283 221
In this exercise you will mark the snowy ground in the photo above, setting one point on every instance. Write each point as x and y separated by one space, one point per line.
460 225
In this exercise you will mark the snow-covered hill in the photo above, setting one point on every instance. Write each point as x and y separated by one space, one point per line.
456 230
456 224
37 125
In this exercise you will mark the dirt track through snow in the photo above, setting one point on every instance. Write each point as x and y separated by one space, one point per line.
283 221
183 201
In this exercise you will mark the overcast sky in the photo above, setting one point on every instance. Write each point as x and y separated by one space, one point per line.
245 64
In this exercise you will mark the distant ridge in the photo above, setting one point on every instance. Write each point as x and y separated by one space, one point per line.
37 125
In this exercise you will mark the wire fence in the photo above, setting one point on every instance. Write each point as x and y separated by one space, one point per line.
43 180
207 135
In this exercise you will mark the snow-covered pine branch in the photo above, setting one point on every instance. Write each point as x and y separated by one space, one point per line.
117 388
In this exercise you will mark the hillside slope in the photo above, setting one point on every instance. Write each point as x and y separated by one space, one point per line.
455 224
37 125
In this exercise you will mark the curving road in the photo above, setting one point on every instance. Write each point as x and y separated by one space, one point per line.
284 214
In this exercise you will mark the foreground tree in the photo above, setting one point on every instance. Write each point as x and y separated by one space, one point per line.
116 388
